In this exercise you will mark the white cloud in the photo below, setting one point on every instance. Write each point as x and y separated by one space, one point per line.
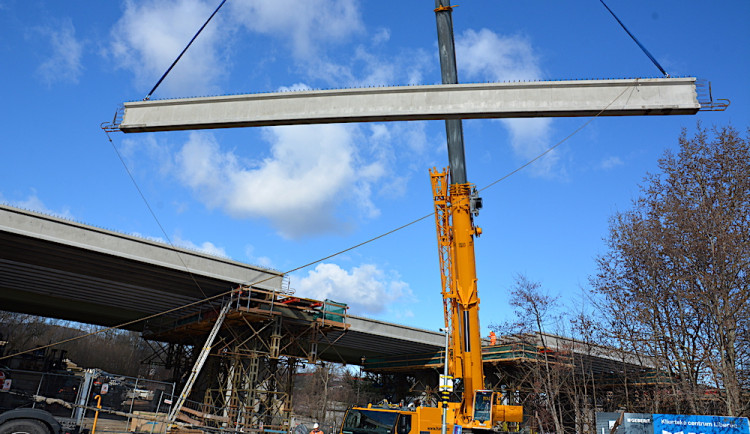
33 203
485 55
611 163
156 149
63 65
206 247
403 145
149 237
151 34
263 261
316 27
495 57
366 66
306 24
366 289
316 179
530 137
381 36
312 171
378 72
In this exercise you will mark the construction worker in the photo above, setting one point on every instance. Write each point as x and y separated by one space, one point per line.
316 429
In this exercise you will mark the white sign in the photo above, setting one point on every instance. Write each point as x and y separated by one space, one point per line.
6 385
446 383
105 388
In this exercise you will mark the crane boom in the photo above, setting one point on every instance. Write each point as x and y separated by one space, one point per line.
454 206
463 323
454 213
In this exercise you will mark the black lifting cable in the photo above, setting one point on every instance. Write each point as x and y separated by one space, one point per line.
636 41
183 51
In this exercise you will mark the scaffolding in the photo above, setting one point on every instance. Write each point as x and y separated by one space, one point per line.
514 363
253 341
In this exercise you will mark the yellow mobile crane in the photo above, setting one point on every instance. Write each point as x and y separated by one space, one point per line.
456 203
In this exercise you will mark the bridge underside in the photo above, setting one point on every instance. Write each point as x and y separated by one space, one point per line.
61 269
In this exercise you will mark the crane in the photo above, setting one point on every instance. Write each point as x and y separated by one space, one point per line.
456 203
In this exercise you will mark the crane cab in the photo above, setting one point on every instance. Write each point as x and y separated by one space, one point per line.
489 413
393 420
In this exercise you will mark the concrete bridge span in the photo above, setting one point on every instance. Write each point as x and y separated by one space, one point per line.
62 269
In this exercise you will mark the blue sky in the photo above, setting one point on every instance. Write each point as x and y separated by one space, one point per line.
285 196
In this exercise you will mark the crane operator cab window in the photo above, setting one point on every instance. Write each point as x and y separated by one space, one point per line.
483 405
370 422
404 424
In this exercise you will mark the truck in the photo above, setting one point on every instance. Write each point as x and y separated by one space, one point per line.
40 395
21 374
32 421
51 417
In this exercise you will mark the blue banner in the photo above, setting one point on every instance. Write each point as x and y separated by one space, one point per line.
682 424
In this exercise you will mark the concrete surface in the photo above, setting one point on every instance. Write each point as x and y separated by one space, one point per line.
653 96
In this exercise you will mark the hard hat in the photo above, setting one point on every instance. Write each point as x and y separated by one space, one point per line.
315 425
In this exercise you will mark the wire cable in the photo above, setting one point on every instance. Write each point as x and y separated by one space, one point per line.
636 40
550 149
183 51
153 214
370 240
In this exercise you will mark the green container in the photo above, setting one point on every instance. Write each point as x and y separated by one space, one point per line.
332 311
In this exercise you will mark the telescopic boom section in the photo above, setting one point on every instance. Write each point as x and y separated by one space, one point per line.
454 130
466 348
455 231
467 301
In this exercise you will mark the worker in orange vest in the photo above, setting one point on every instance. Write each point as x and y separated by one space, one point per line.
316 429
493 338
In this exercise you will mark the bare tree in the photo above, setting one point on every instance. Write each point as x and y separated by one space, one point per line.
117 351
534 312
582 389
676 277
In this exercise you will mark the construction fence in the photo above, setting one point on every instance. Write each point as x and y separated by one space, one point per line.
128 403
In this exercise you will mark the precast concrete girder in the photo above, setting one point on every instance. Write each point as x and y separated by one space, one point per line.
623 97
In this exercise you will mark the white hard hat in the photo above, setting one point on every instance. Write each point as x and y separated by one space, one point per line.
315 425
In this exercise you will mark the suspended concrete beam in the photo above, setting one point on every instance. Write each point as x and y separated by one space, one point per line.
652 96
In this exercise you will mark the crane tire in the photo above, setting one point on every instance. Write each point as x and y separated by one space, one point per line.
24 426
